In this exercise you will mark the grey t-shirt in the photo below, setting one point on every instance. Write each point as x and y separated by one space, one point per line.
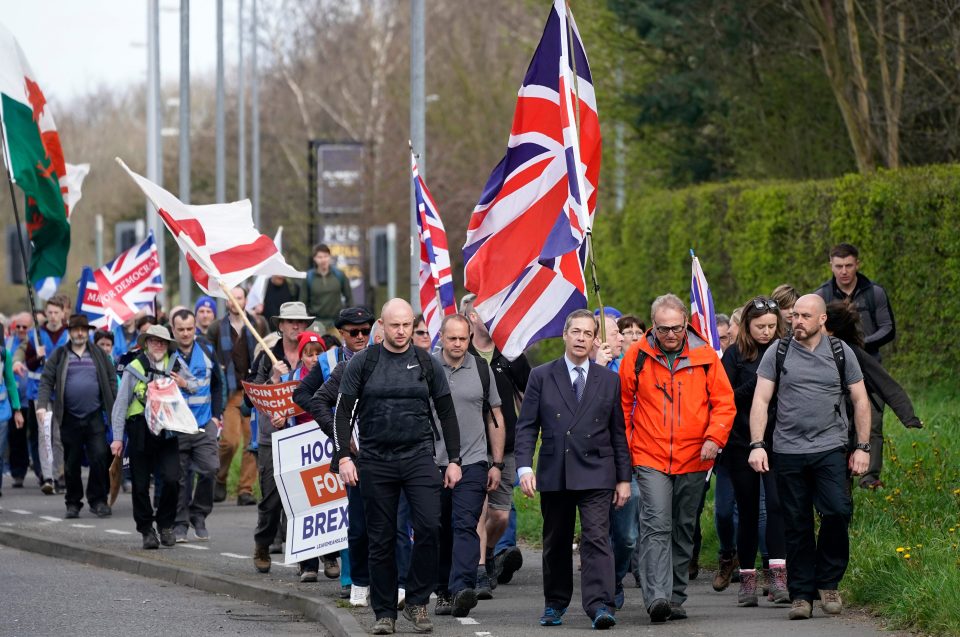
466 390
811 416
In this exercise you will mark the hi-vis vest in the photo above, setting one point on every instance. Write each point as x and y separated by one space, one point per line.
33 378
143 377
202 369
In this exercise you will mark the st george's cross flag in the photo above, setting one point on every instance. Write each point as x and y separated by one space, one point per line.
35 162
703 316
437 297
526 242
222 246
115 292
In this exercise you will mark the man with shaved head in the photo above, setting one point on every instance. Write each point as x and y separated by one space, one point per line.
812 374
386 391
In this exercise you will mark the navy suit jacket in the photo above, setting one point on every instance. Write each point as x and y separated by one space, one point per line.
584 445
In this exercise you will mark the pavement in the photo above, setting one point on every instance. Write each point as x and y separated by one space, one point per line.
30 521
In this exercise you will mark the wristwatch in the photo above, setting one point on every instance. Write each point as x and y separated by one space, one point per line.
497 465
758 445
863 446
457 461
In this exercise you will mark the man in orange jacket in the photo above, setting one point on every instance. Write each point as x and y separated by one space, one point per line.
681 409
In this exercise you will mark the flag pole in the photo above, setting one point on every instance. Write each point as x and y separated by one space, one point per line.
589 229
243 315
20 237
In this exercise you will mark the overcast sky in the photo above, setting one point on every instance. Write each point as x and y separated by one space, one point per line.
75 46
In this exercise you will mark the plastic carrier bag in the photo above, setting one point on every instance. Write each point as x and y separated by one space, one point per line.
166 408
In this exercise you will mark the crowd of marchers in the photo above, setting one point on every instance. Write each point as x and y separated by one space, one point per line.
629 430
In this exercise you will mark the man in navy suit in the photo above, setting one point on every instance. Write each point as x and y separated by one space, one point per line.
583 464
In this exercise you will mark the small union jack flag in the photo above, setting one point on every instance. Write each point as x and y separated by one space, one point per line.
115 292
436 279
703 316
526 249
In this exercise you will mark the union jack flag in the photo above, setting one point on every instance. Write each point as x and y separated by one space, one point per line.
703 316
525 250
117 291
436 279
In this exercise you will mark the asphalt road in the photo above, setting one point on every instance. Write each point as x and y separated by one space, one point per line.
47 596
512 613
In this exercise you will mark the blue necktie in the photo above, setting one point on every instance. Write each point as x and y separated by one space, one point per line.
579 383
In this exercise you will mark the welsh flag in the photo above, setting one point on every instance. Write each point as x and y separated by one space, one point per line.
34 161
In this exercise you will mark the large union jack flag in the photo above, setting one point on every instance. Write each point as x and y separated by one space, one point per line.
703 316
436 280
117 291
525 249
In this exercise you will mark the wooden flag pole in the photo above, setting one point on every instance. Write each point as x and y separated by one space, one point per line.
243 314
589 229
20 238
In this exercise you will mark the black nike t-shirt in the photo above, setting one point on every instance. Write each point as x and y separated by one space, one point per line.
394 404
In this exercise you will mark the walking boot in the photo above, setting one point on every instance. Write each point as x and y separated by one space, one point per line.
748 588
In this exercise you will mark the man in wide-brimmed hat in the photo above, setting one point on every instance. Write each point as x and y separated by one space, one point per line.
150 454
290 322
78 379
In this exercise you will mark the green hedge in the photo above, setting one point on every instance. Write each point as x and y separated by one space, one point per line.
752 236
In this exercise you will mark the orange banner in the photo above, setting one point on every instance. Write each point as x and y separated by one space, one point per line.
274 399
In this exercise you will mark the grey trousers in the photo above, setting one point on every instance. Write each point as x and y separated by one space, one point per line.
200 457
667 516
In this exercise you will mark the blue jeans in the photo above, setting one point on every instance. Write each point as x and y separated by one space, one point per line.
624 532
725 511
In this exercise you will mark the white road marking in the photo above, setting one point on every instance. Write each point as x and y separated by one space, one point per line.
50 518
83 526
117 532
20 511
234 555
481 634
195 547
467 621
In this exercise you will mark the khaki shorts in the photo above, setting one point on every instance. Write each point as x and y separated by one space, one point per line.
502 498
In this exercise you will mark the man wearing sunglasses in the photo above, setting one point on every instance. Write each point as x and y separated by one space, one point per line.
683 411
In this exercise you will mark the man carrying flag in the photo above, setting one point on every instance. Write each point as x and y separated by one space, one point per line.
436 281
526 243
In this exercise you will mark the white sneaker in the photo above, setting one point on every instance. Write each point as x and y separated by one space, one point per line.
358 595
401 598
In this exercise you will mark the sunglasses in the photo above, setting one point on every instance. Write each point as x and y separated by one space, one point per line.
357 331
663 330
20 327
421 333
765 304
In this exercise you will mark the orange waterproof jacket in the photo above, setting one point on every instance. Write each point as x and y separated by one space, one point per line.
670 414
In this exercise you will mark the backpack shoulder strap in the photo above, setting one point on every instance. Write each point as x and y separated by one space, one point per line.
372 356
311 275
638 365
839 357
426 365
483 369
782 347
871 299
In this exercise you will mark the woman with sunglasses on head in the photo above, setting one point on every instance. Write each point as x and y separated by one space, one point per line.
761 326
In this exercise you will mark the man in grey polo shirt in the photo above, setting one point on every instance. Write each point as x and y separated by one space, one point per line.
462 505
810 456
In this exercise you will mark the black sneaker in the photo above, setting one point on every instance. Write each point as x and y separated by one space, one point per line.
167 538
463 601
150 540
18 483
58 487
508 562
102 510
660 611
246 500
484 589
73 512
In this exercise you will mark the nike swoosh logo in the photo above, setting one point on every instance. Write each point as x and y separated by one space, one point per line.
412 366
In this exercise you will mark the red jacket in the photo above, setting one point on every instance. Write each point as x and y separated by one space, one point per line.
669 414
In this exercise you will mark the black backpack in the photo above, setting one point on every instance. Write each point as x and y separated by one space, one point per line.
836 348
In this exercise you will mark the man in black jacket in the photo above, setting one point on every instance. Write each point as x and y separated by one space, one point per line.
80 380
879 328
391 399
